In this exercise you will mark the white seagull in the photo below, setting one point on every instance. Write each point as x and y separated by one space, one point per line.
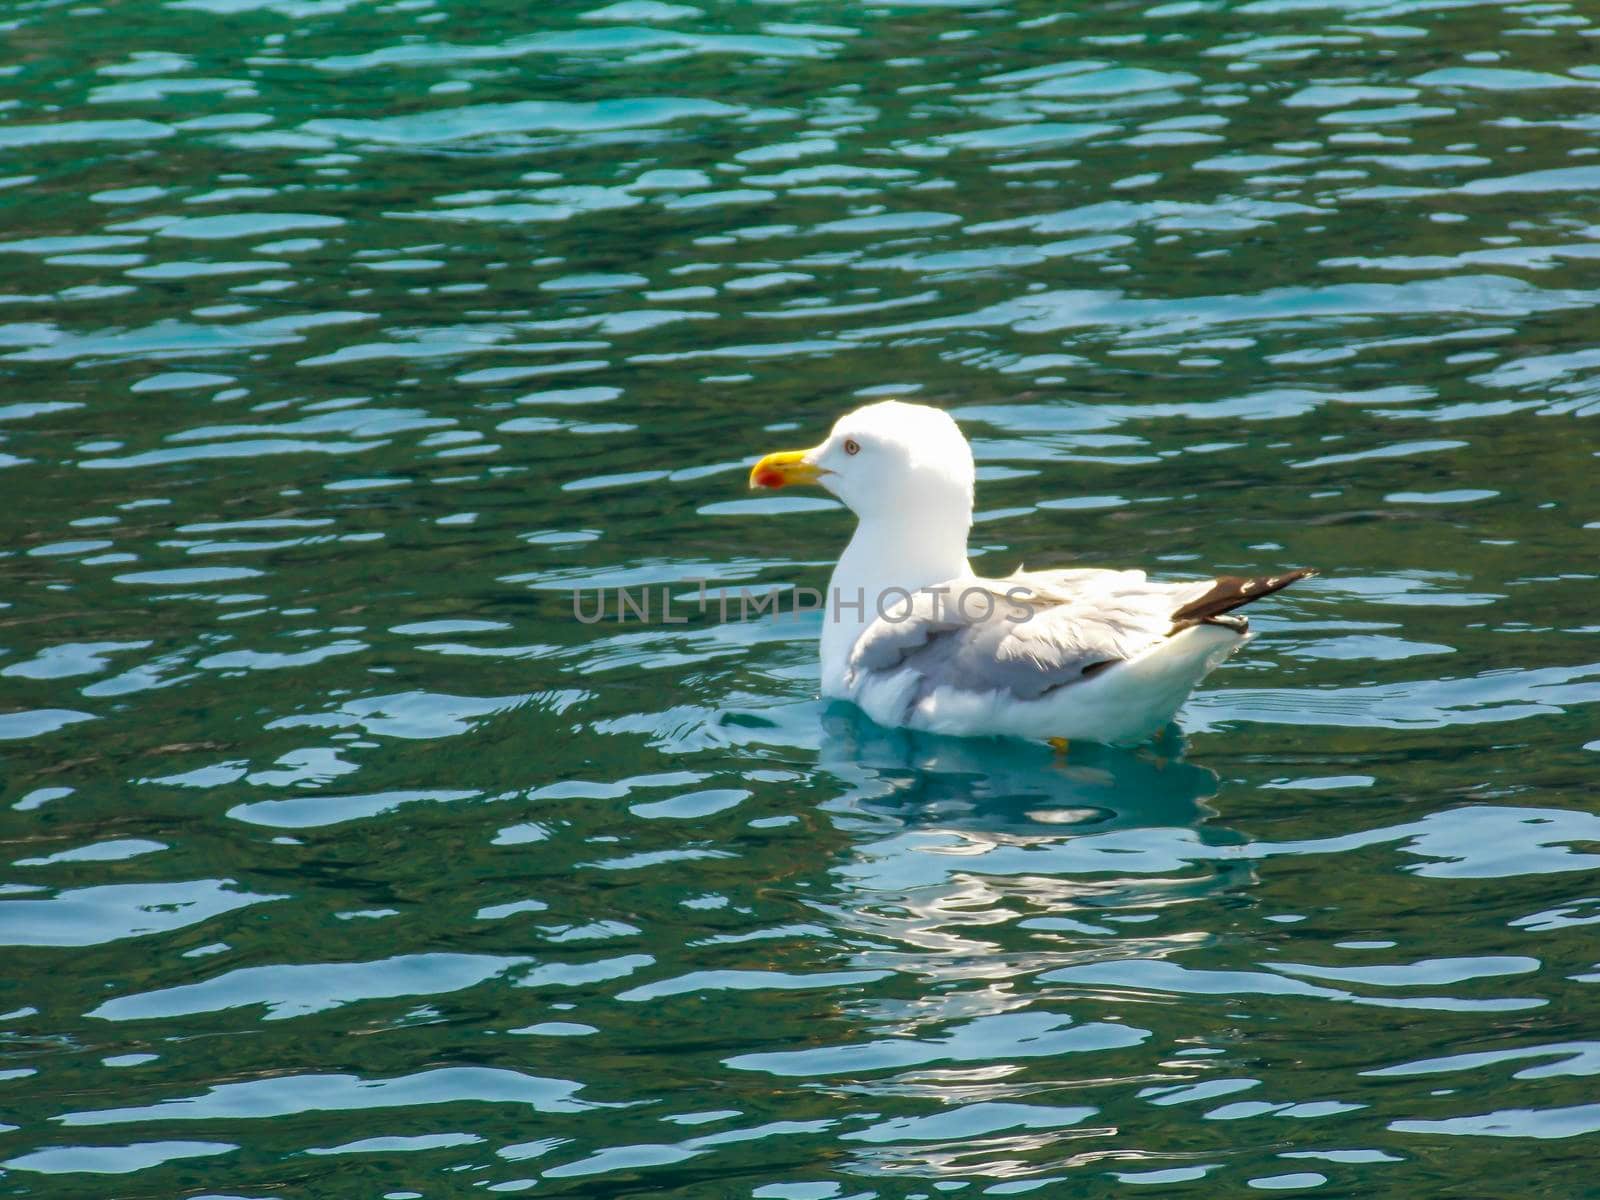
914 638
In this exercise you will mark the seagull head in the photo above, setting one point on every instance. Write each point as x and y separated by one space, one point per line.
885 459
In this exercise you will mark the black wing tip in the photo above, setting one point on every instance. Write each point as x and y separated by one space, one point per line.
1229 592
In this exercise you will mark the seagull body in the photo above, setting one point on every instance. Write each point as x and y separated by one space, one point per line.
915 638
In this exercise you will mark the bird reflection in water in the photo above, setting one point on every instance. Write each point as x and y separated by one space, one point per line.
1009 785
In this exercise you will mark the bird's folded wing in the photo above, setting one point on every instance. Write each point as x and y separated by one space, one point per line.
1024 635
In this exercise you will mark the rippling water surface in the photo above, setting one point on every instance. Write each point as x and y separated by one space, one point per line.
343 340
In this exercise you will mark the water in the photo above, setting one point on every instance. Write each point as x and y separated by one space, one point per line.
343 340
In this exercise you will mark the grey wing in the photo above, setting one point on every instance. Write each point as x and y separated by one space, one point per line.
1025 635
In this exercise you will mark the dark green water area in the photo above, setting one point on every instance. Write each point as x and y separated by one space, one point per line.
341 341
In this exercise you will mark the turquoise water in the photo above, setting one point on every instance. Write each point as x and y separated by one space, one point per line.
342 341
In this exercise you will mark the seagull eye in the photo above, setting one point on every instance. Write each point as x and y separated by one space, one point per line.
851 446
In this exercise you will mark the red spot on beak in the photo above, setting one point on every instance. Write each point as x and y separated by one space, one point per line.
769 478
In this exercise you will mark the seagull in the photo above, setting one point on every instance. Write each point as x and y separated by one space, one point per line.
914 638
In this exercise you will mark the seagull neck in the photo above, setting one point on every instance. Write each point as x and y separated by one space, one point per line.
910 554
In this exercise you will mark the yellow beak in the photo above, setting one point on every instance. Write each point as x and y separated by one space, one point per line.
781 469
